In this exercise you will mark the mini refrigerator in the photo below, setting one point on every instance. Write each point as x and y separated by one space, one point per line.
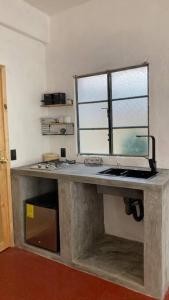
42 222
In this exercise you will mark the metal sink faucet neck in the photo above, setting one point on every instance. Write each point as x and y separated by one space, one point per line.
152 161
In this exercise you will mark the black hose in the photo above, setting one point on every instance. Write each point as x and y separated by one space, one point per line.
134 207
138 216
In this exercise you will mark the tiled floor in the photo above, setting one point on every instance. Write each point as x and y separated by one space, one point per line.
25 276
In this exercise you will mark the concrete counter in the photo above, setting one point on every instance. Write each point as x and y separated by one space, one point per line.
84 244
82 173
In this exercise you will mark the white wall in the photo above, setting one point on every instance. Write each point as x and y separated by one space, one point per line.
110 34
23 53
25 73
24 18
101 35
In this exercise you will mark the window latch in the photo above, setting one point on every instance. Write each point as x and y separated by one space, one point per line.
107 110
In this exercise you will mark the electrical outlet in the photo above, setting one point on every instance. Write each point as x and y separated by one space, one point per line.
63 152
13 154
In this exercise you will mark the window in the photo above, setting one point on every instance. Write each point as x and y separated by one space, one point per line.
112 109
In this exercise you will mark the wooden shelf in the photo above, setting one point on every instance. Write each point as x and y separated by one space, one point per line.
57 134
50 127
56 105
58 123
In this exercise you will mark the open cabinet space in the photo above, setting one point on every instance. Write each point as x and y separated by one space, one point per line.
117 259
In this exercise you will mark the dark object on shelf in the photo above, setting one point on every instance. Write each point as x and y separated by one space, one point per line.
63 131
134 207
54 98
63 152
42 222
48 99
59 98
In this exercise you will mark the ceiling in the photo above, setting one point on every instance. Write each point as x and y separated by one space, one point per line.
52 7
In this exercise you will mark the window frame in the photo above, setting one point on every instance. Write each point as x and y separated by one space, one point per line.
109 101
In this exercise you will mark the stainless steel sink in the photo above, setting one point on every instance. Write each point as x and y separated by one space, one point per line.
128 173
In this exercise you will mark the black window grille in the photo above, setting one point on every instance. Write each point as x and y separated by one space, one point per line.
112 109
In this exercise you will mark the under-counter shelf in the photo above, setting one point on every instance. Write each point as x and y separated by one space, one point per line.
116 259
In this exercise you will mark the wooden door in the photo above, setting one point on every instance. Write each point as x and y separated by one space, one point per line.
5 185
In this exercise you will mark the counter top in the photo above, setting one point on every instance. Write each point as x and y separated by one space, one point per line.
88 174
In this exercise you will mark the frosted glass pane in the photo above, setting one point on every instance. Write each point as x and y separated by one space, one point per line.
93 115
93 88
132 112
129 83
94 141
125 142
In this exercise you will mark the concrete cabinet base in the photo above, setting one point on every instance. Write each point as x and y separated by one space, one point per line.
84 244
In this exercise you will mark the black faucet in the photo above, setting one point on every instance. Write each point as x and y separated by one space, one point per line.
152 161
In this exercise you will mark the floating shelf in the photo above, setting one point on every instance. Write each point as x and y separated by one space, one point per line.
49 126
56 105
57 134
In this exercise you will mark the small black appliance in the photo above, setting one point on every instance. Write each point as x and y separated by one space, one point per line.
59 98
48 99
